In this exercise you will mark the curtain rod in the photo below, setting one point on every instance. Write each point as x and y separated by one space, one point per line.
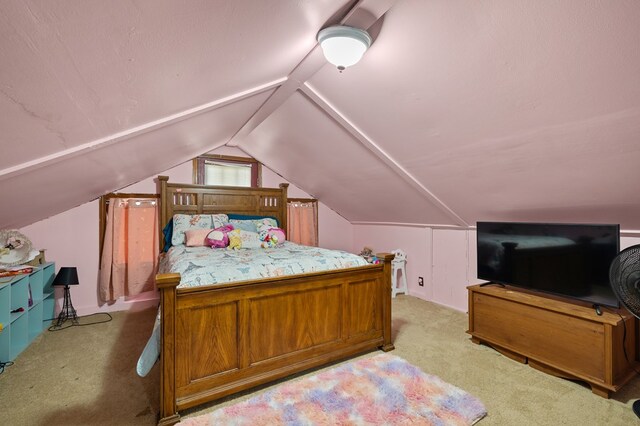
129 195
302 200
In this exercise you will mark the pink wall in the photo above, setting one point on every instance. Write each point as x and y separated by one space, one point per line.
334 231
445 257
628 241
450 272
440 256
414 241
71 238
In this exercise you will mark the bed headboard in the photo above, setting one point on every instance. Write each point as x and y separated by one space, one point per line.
207 199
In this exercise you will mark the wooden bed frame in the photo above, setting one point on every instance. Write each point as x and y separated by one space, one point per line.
225 338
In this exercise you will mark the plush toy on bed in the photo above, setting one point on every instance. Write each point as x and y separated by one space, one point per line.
235 242
241 239
270 236
367 253
268 241
263 232
219 238
277 234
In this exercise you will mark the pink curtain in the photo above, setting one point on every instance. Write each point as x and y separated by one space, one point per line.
130 250
302 223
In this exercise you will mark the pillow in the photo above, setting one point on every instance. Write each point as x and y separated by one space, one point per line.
197 237
239 238
250 217
219 238
219 220
246 225
253 225
167 232
266 221
183 222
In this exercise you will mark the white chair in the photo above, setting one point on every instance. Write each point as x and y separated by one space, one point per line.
398 266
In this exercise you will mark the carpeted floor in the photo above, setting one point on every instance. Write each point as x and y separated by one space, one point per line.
86 376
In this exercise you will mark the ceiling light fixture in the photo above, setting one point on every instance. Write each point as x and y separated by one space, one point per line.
343 46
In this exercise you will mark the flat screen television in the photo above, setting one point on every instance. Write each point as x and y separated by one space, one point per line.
564 259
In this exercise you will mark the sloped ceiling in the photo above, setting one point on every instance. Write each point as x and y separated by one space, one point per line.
460 111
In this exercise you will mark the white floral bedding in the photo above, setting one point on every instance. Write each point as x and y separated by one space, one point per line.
206 266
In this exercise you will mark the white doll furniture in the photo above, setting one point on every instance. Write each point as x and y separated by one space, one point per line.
398 267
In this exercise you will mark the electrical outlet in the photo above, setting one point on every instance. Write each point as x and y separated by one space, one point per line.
421 281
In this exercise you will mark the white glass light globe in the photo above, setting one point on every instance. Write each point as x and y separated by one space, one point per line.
343 51
343 46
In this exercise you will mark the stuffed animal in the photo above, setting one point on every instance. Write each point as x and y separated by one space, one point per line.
367 253
270 236
235 242
263 231
218 238
278 235
269 241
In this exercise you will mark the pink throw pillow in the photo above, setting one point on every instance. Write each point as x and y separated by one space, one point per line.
197 237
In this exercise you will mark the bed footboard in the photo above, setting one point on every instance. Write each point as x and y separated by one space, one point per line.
167 285
218 340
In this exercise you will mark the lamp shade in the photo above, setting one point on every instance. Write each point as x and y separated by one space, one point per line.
66 276
343 46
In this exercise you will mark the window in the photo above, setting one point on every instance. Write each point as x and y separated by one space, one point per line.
226 170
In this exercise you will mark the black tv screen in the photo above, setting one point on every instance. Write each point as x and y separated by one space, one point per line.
565 259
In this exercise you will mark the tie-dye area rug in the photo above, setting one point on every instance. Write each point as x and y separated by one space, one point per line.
381 390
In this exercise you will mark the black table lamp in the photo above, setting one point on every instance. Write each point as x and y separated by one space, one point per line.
66 277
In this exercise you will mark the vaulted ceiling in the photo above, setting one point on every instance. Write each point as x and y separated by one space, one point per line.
460 110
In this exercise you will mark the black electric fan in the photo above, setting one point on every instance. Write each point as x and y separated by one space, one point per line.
624 276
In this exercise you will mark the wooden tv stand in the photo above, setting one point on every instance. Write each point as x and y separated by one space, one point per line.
564 338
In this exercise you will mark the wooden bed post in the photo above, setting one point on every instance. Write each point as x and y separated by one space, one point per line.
167 284
386 258
283 211
162 209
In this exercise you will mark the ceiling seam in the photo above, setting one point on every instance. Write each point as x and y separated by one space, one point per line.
310 65
274 102
369 144
633 233
138 130
415 225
